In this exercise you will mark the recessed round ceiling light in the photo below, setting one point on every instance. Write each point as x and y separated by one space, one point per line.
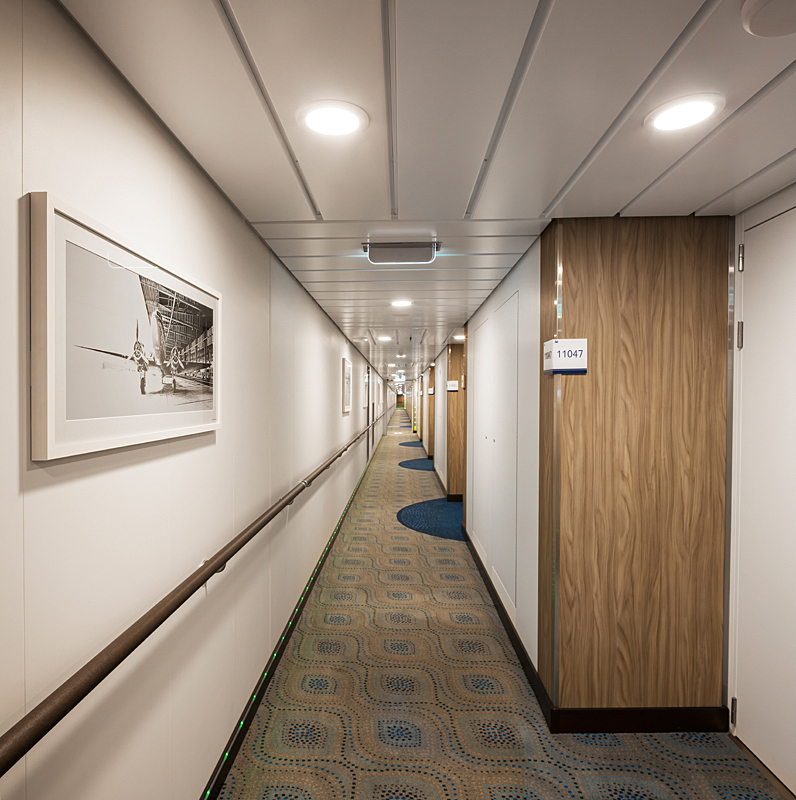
333 117
402 303
685 112
385 338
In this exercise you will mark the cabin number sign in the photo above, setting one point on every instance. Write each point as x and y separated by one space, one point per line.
565 357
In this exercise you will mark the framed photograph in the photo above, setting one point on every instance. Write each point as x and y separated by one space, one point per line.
346 386
123 350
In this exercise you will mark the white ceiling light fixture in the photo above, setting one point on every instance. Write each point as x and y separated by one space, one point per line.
333 117
460 337
769 18
401 303
684 112
401 252
385 338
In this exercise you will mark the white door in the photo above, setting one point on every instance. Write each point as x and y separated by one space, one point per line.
481 382
766 554
504 449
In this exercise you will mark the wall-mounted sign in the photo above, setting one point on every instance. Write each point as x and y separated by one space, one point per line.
453 386
431 390
565 357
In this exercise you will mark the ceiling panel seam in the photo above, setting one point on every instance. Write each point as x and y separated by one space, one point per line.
717 131
677 47
747 181
239 40
388 45
538 23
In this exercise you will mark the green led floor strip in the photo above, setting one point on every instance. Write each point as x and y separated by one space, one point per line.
222 768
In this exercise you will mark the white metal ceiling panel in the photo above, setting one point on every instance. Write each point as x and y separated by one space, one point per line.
402 230
317 50
721 58
309 279
419 307
589 63
762 184
457 245
179 56
442 263
405 287
737 153
432 295
455 60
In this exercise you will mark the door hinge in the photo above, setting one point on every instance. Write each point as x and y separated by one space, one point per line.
740 335
733 710
740 258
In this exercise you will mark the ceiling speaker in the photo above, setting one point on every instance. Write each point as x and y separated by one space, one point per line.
769 18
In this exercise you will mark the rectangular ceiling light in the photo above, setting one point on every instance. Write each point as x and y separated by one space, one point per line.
401 252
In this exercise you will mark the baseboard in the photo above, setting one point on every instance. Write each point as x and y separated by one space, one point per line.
455 498
600 720
783 790
640 720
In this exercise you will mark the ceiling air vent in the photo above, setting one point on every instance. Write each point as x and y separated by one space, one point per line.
401 252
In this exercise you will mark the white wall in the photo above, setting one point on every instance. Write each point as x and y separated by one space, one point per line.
13 355
763 548
441 417
426 422
503 441
105 536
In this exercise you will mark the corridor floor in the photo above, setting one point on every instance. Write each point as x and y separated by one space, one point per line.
400 683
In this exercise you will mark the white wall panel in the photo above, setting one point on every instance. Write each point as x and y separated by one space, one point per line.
106 535
764 546
479 449
13 399
504 444
441 417
503 374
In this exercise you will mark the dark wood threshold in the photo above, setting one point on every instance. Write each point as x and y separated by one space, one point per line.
455 498
601 720
430 458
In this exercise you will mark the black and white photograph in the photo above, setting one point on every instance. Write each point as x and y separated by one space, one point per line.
346 386
133 346
124 350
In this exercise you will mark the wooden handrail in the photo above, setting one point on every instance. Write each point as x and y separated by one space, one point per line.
36 724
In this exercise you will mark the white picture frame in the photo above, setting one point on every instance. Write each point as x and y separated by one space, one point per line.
123 350
346 386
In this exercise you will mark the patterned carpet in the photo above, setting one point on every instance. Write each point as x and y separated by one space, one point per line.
399 683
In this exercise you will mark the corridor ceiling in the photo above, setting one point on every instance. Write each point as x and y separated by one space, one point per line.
488 118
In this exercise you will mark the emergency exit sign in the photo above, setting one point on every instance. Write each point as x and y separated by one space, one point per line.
565 357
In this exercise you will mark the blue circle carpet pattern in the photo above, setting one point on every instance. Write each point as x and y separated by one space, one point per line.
434 517
400 683
410 444
424 464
